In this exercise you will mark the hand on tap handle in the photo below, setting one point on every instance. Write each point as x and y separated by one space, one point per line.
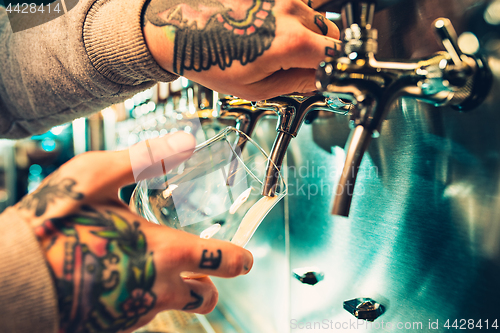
446 34
252 49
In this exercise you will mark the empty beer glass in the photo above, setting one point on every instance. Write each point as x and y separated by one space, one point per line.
216 193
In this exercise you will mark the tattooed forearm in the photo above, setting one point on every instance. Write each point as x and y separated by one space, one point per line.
208 34
56 187
211 261
105 277
194 304
319 20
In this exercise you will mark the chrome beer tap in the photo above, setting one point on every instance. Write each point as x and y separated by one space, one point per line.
446 78
246 116
292 110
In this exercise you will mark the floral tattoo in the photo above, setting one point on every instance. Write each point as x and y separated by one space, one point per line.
207 33
105 277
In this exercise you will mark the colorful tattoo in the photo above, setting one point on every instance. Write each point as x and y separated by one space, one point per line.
319 20
194 304
54 188
105 277
207 33
211 262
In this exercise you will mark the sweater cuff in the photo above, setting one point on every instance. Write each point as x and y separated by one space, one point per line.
27 294
115 43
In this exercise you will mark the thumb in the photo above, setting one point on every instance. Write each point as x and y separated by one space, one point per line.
155 157
102 173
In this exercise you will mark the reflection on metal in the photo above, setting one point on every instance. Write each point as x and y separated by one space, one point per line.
364 308
308 275
492 13
468 43
339 106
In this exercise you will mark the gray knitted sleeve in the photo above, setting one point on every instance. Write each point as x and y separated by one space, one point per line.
77 64
27 294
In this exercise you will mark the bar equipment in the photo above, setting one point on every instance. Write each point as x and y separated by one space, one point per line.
291 110
216 193
422 236
446 78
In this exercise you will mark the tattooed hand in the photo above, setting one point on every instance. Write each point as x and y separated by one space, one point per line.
254 49
113 271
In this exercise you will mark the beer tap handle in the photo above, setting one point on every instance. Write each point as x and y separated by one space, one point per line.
448 37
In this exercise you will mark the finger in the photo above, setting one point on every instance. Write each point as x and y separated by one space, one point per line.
309 3
324 25
202 297
316 22
215 257
306 51
320 24
157 156
189 253
103 173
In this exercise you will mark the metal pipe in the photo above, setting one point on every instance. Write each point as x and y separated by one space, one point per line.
358 142
274 163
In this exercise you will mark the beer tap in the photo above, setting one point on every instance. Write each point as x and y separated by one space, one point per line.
292 110
246 116
448 78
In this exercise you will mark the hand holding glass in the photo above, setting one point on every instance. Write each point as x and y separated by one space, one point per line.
216 193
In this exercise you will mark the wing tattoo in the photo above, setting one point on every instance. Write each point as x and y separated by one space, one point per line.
55 188
207 34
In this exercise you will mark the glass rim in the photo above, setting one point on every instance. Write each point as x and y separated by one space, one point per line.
139 198
224 133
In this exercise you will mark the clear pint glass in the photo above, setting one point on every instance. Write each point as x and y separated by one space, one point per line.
216 193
